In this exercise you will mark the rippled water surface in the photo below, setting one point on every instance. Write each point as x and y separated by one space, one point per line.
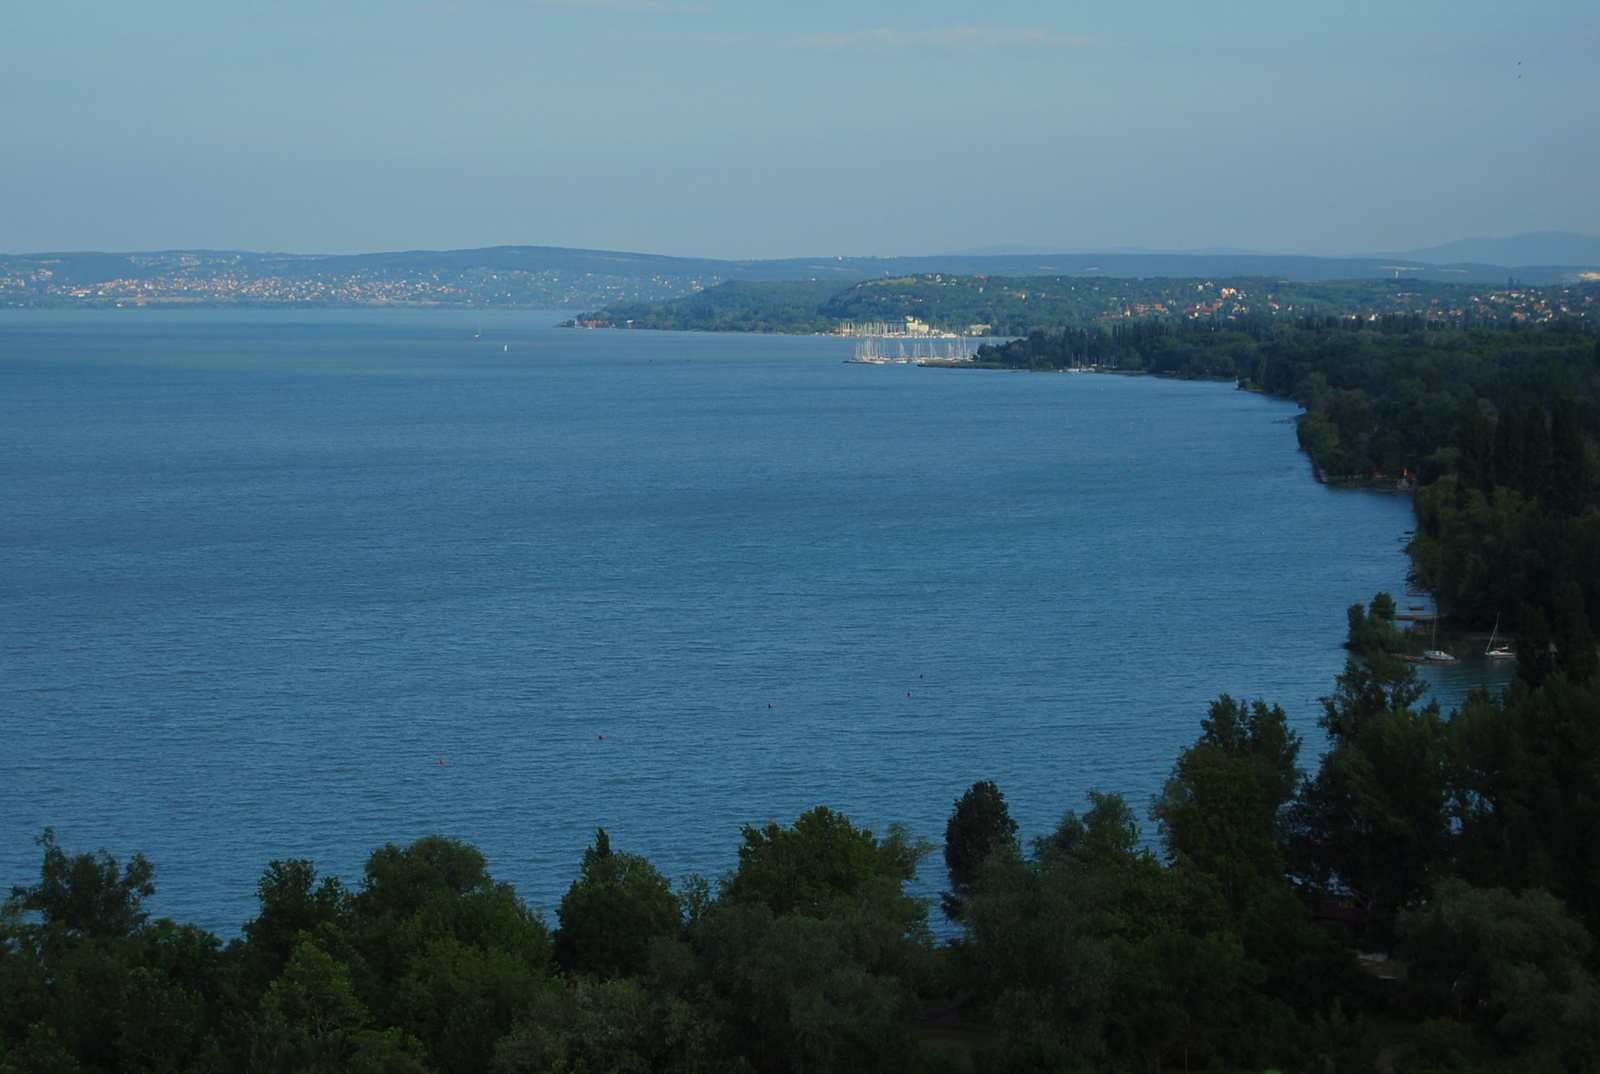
261 574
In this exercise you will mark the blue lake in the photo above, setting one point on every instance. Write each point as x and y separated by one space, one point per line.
260 574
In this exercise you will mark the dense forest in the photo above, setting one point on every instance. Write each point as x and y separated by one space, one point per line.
1426 894
1015 306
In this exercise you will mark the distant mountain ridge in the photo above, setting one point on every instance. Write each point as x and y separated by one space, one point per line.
1532 248
549 277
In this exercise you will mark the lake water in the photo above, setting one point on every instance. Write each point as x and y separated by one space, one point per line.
260 574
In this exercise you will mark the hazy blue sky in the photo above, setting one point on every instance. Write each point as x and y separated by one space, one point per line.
744 128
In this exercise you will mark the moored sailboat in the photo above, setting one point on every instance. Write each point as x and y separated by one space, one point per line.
1436 655
1494 652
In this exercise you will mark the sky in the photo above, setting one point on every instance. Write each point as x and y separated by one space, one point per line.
759 128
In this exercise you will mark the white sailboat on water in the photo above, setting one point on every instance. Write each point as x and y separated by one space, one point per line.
1494 652
1436 655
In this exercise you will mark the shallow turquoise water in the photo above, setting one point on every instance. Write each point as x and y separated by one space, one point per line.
260 574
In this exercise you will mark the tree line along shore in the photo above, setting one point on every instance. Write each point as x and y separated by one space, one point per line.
1419 892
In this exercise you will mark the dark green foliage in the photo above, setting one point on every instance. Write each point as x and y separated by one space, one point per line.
1216 818
823 980
1533 480
979 825
88 894
803 869
1260 734
1480 551
824 984
1367 688
1527 770
1473 442
293 903
87 984
1184 998
1032 1055
1374 819
1441 1045
1220 814
622 1026
614 912
1575 654
1492 539
1095 952
454 955
1571 483
1038 946
426 966
1534 659
1372 631
314 994
1511 963
813 992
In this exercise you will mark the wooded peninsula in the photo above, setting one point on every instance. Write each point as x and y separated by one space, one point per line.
1418 892
1017 305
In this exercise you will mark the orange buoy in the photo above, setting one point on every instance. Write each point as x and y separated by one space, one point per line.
441 760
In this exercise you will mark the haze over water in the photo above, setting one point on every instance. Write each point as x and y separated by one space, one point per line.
260 574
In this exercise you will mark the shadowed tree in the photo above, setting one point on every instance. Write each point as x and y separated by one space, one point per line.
1474 437
293 902
1533 646
979 825
1508 445
613 913
455 955
1535 480
1569 468
87 894
1374 819
1574 641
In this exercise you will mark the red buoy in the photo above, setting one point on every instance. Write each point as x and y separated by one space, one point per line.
602 738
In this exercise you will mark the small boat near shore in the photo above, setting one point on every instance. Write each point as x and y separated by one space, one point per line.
1494 652
1436 655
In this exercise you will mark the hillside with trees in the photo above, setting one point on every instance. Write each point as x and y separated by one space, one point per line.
1018 305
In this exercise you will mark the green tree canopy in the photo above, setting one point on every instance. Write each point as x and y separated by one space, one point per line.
979 825
823 857
616 909
87 894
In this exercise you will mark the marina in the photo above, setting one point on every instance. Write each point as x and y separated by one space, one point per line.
878 352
